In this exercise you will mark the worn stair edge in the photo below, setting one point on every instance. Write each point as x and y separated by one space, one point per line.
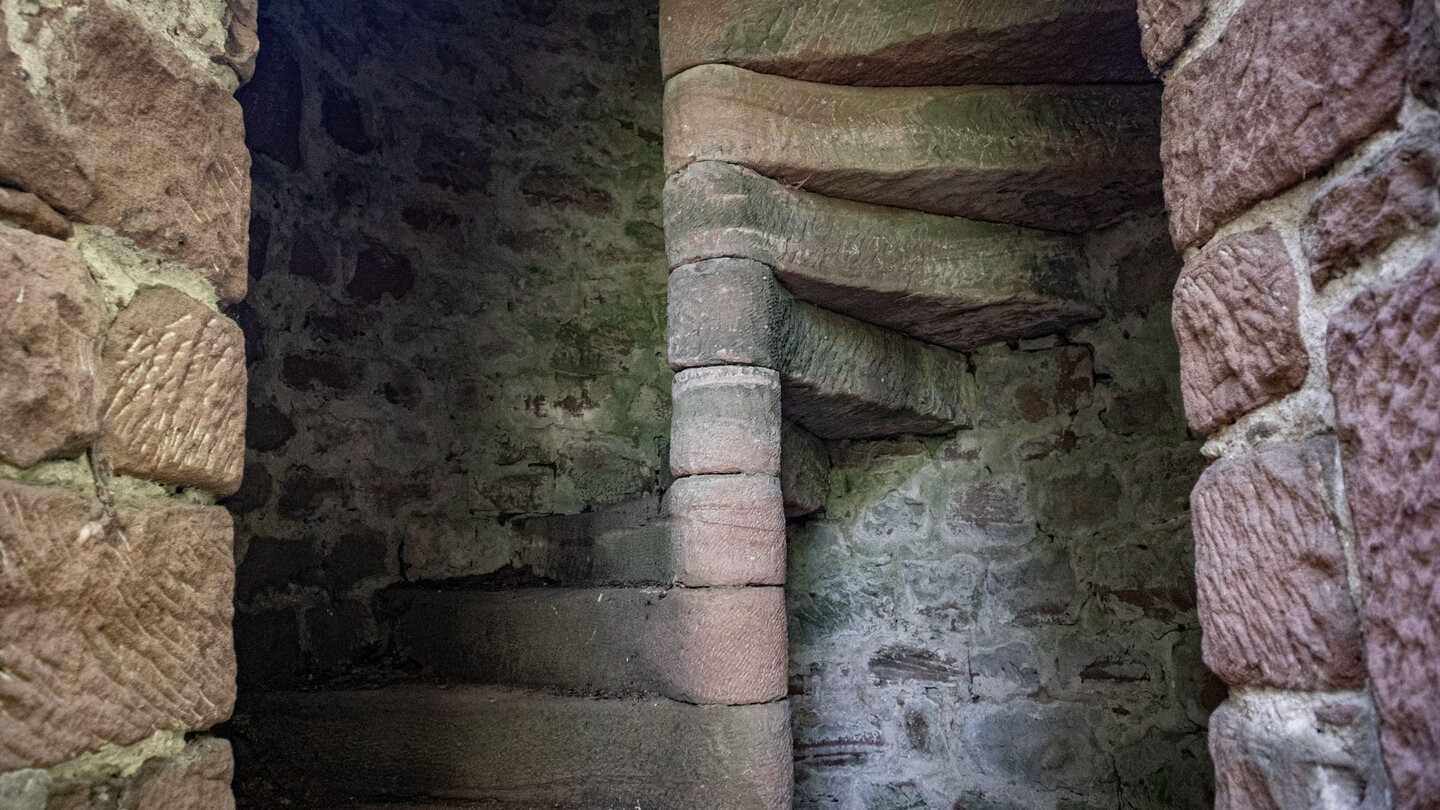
1070 158
804 471
946 280
840 378
930 42
721 646
516 746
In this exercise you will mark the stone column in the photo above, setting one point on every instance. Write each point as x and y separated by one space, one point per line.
1300 149
124 202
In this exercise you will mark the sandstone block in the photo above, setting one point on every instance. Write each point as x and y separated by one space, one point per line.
726 419
110 628
51 330
1273 588
461 743
840 378
804 471
727 530
175 385
139 141
946 280
1363 211
709 645
32 214
1284 750
1264 108
1060 157
1237 320
1033 386
918 43
1384 360
1165 29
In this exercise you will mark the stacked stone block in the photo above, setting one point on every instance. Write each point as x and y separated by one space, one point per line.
1299 150
124 195
821 157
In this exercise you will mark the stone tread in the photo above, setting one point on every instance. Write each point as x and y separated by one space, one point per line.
518 748
841 378
946 280
1071 158
916 42
709 645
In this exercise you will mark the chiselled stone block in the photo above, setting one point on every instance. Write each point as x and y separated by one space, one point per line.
1273 587
51 330
1264 108
175 388
1166 27
930 42
461 743
1384 358
804 471
109 145
709 645
946 280
1363 211
726 419
840 378
1061 157
1237 319
727 530
1284 751
110 628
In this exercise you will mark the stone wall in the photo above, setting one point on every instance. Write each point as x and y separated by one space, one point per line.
1006 618
1301 172
457 313
124 195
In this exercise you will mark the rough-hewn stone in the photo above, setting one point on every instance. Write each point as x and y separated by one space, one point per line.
1274 594
1166 27
1068 158
1363 211
1384 358
727 530
708 645
32 214
725 419
929 42
1277 751
110 628
1237 319
1264 108
840 378
138 141
461 743
175 393
804 471
946 280
51 330
1034 385
1425 51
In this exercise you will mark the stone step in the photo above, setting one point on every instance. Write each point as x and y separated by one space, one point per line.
622 544
840 378
946 280
516 747
704 645
1070 158
918 42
